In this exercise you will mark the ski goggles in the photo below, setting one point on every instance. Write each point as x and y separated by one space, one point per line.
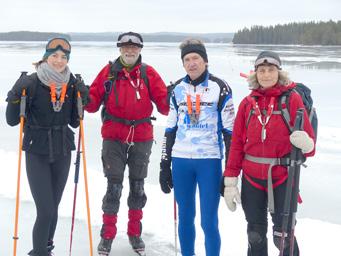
130 38
267 60
58 44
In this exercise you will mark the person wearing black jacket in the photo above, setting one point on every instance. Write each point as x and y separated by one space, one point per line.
51 107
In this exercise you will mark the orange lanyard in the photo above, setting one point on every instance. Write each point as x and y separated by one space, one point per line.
54 94
62 96
57 104
197 104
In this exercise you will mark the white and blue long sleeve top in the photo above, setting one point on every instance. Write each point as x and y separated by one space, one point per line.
199 137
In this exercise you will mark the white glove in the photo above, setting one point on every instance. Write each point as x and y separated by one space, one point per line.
231 193
301 139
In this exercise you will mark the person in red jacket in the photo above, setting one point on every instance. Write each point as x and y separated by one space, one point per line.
127 87
264 135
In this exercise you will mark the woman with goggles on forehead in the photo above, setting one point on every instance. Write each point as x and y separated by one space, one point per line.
261 136
127 88
51 107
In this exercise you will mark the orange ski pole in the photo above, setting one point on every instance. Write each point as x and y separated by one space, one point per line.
81 129
17 200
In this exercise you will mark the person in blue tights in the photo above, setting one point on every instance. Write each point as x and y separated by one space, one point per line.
199 123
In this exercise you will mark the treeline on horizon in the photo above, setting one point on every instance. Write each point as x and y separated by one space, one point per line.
112 36
306 33
31 36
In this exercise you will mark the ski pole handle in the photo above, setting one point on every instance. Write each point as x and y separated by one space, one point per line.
299 120
79 98
23 104
79 106
243 75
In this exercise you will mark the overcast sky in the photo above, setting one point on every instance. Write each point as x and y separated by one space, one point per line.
159 15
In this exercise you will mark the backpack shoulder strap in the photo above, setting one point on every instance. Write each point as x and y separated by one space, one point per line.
170 93
143 69
283 106
224 90
110 83
250 99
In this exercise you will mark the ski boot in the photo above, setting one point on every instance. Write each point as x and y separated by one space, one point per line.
104 247
48 254
50 247
137 244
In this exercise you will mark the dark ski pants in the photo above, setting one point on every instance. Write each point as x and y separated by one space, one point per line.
254 203
47 182
187 175
115 157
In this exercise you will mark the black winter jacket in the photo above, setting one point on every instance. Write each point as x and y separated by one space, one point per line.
46 132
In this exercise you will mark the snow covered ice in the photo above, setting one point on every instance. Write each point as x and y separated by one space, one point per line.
319 217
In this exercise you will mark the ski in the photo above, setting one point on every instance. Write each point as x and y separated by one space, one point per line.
103 253
104 247
140 251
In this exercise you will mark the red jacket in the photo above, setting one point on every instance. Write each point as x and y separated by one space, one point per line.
247 140
122 102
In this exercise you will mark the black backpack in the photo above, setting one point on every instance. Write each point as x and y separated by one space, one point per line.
32 88
111 84
305 94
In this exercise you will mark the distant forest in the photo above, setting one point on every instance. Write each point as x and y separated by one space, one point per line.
112 36
307 33
30 36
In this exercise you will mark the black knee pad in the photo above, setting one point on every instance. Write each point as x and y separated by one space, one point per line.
111 200
137 198
257 237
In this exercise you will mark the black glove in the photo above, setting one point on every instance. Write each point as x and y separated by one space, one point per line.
84 91
16 91
165 178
